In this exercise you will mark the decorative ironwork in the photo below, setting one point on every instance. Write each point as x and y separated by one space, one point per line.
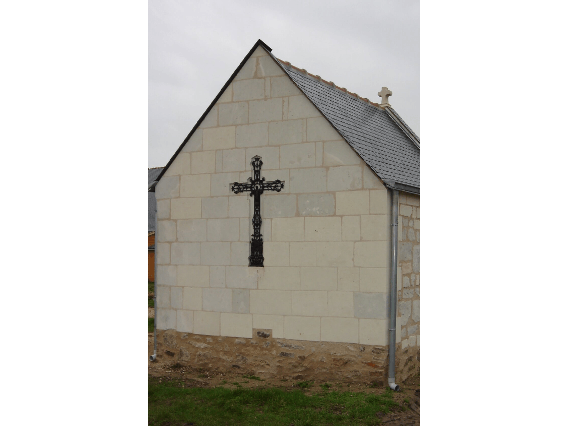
256 186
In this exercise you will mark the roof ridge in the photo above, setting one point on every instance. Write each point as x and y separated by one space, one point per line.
329 83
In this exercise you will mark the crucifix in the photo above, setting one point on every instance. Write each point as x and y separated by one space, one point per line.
384 94
256 186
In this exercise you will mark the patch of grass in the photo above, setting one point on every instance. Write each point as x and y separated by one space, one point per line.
176 366
325 386
304 385
224 382
150 287
150 325
253 378
170 403
151 303
202 376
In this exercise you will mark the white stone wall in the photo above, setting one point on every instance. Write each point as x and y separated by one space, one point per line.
326 235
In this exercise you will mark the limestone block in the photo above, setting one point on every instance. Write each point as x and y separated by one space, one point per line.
335 254
319 154
288 229
340 330
192 299
347 279
218 161
319 129
307 180
374 280
246 90
416 310
318 278
240 253
176 300
416 224
239 206
344 178
418 213
216 276
286 132
404 251
372 254
352 203
339 153
245 229
370 305
316 204
412 341
301 107
184 321
405 282
195 142
223 229
370 179
163 253
310 303
275 302
221 182
276 254
166 275
219 138
375 228
180 166
163 208
340 303
398 331
323 228
417 340
298 155
280 278
195 186
280 205
266 110
302 328
218 299
267 88
163 297
186 208
215 207
351 228
216 253
416 259
373 332
405 210
252 135
227 96
192 230
283 86
234 160
265 228
248 70
241 301
269 322
399 278
233 113
236 325
242 277
267 67
270 160
185 254
411 235
207 323
210 119
408 293
378 202
303 254
404 311
166 319
167 187
166 230
413 329
413 200
202 162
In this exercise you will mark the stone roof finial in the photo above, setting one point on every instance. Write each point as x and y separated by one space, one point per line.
384 94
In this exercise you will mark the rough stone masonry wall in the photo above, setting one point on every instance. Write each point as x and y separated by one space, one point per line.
408 348
326 249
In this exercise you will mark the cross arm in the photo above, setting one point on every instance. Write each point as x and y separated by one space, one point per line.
237 187
274 185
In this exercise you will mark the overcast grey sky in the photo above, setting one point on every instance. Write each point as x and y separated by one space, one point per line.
194 47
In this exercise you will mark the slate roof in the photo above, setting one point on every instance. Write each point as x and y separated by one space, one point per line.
152 175
385 145
382 139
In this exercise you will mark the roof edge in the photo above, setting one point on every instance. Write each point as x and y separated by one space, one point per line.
391 184
403 126
249 54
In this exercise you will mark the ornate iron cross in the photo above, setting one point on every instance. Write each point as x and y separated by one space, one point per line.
256 186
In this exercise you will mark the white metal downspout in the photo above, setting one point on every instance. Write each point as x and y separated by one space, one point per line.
155 354
393 297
